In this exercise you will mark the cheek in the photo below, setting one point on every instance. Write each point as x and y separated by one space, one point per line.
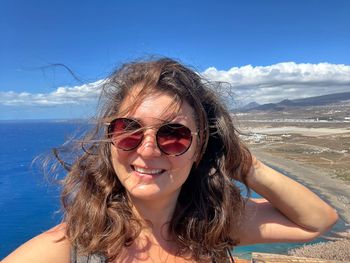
119 161
180 173
181 165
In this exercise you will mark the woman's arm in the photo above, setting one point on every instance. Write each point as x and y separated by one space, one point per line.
48 247
288 212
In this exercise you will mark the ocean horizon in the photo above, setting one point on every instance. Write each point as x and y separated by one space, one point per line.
29 203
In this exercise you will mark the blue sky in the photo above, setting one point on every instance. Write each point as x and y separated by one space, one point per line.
268 50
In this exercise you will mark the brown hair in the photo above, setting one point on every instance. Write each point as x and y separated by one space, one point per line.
209 209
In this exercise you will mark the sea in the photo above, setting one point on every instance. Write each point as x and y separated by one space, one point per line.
30 202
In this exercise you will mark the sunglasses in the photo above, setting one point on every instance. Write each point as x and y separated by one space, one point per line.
172 139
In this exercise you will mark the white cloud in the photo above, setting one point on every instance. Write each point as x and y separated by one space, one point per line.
283 80
262 84
61 96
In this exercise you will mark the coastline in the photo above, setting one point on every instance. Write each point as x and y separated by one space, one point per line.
333 190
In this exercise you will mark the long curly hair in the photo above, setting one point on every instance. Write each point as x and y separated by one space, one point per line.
209 210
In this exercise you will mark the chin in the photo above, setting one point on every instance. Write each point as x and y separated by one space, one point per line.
146 192
152 193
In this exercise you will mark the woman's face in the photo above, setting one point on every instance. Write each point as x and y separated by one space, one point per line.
146 172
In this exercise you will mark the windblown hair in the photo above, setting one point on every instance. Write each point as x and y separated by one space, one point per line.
210 206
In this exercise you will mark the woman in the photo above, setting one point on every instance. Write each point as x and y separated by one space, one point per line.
156 182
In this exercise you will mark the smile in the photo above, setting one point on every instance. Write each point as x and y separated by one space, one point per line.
147 171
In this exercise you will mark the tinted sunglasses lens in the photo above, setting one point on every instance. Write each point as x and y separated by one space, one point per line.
174 139
126 133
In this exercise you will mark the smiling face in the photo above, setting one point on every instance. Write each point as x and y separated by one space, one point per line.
146 172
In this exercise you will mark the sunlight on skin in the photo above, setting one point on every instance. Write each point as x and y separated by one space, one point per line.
162 189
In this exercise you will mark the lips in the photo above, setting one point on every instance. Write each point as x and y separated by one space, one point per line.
147 171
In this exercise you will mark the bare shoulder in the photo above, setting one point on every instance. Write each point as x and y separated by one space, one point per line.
50 247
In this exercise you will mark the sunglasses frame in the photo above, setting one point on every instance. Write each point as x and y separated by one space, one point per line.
143 128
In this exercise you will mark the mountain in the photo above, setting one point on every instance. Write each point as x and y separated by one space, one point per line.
311 101
250 105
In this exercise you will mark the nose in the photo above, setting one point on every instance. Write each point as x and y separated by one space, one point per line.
149 147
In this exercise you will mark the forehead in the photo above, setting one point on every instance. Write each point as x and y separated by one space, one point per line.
158 106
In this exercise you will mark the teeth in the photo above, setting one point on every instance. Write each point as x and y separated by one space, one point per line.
147 171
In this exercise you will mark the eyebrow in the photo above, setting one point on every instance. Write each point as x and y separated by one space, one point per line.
171 119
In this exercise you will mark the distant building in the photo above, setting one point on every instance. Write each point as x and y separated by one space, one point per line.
323 119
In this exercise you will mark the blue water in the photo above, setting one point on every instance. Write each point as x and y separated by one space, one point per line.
29 204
